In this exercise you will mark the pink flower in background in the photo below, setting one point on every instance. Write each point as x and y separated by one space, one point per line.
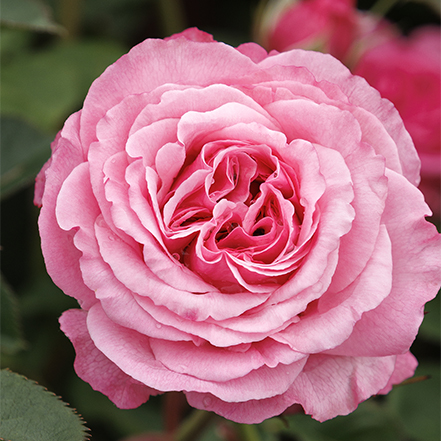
311 24
241 227
331 26
407 71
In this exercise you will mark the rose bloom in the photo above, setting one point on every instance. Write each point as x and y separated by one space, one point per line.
331 26
407 71
240 226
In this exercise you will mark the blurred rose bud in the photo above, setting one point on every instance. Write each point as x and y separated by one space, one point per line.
407 71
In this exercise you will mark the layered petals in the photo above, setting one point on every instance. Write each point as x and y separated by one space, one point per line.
246 231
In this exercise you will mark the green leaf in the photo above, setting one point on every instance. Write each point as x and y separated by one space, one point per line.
45 87
370 421
11 338
28 14
31 413
418 404
24 150
434 4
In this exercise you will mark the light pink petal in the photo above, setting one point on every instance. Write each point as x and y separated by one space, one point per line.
249 412
168 169
76 204
361 95
405 366
172 101
211 331
132 353
197 128
370 189
330 386
60 254
137 277
211 363
147 142
93 366
338 129
416 248
205 361
153 63
330 322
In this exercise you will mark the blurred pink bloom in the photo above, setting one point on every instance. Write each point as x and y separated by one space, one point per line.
331 26
407 71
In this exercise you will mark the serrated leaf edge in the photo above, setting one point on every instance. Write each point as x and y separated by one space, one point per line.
86 430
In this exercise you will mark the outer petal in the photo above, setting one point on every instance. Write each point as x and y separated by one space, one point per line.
416 248
330 386
250 412
93 366
153 63
331 322
405 366
326 68
60 255
132 353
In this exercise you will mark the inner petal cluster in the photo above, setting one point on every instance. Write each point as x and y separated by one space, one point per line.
234 205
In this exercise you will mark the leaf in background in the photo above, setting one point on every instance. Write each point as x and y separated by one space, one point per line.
98 408
31 413
419 404
370 421
434 4
11 338
12 42
45 87
28 14
24 150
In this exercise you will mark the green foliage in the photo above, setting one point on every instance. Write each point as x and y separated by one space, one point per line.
24 151
408 400
28 14
31 413
44 87
11 338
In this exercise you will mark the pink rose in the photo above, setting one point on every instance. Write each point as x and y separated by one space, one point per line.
336 27
407 71
326 25
241 227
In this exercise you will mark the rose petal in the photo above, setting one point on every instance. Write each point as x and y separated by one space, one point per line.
60 254
131 352
329 386
92 366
